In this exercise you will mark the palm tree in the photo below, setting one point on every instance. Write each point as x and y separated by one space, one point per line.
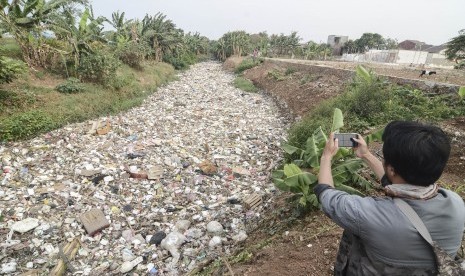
27 20
161 34
80 36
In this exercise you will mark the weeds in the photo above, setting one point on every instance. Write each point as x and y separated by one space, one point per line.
247 64
244 84
277 75
21 117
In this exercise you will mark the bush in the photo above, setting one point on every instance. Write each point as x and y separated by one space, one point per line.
245 84
182 61
10 69
98 67
25 125
72 85
247 64
133 53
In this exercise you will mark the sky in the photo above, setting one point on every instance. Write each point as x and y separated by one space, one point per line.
431 21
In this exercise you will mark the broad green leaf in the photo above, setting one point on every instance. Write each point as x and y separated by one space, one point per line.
83 22
314 147
362 182
351 165
319 136
363 73
24 21
313 200
462 92
290 149
349 189
30 6
342 153
338 121
312 153
375 136
279 183
303 201
291 169
277 174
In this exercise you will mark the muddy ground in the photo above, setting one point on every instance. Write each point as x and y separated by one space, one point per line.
288 244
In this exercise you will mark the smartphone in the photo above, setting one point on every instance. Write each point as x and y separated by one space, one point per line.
346 139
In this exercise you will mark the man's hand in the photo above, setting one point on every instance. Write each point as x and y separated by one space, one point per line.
331 147
361 150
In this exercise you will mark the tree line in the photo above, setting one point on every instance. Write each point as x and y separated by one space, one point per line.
66 37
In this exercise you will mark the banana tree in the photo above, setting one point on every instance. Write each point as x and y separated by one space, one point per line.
27 20
80 36
345 167
162 35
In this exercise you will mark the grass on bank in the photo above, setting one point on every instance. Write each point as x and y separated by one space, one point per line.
31 105
371 104
244 84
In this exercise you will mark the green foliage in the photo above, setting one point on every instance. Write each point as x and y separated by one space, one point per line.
235 43
181 62
456 47
244 84
98 67
10 69
344 168
292 179
72 85
309 78
10 48
25 125
132 53
462 92
371 102
247 63
13 99
289 71
276 75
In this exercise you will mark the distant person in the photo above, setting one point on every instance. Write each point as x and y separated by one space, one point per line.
378 238
255 54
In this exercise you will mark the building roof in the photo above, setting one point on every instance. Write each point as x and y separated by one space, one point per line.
436 49
422 45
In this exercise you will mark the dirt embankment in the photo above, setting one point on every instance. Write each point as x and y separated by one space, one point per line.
284 245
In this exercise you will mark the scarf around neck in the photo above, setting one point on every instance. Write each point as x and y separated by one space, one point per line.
411 191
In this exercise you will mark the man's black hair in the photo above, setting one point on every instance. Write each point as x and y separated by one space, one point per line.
418 152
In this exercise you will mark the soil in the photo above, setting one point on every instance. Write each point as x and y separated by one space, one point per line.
287 244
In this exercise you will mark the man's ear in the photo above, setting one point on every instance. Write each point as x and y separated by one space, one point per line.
390 171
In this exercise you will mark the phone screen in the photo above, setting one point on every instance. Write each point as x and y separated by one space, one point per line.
345 139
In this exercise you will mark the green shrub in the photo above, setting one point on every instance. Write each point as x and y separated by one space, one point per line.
16 99
98 67
10 49
277 75
244 84
133 53
182 61
25 125
289 71
10 69
247 63
72 85
370 102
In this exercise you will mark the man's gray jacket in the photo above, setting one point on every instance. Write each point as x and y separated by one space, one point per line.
378 235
